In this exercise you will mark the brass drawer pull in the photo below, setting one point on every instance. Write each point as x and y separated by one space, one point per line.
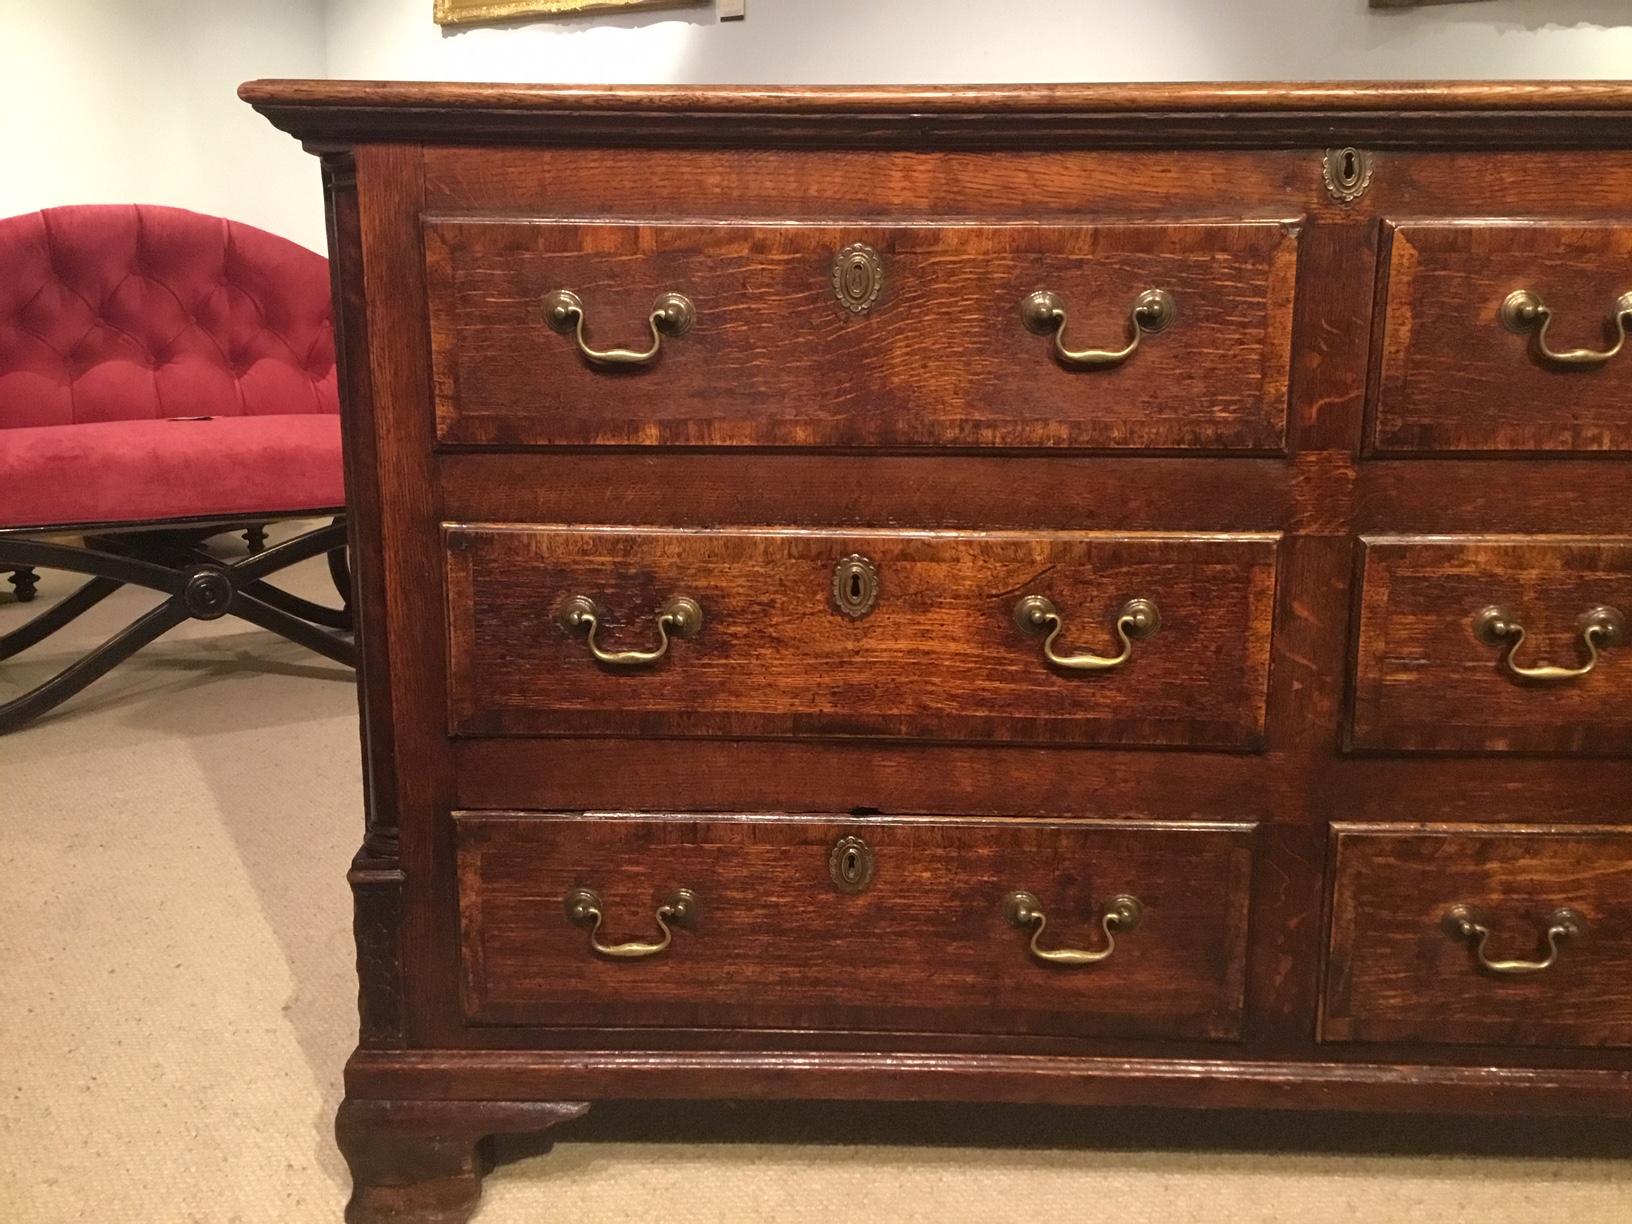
1464 922
583 907
680 617
1044 312
1138 618
1601 626
1023 910
672 315
1524 312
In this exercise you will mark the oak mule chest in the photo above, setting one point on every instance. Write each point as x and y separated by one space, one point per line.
1054 594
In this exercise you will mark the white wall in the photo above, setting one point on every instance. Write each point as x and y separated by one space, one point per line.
920 41
114 101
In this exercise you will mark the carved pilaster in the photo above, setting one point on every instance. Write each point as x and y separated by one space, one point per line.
376 875
377 880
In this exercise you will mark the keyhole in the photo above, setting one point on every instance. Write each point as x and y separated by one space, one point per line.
1351 169
855 586
850 865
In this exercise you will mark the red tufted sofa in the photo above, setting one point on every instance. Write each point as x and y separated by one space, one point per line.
165 377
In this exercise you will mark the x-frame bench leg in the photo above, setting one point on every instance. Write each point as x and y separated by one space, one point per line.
195 586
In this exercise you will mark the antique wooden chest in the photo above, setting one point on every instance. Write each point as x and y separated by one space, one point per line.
1092 595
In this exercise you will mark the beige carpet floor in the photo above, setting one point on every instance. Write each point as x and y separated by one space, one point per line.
175 966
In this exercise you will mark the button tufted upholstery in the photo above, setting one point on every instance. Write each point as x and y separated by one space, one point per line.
114 321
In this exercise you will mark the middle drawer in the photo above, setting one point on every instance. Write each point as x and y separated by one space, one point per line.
1058 637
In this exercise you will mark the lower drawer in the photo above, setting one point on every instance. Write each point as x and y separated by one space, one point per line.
901 923
1502 935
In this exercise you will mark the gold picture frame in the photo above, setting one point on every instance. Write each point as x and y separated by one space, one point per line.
470 12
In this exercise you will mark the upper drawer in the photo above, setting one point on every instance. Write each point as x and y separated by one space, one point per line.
995 926
922 634
1494 934
1494 645
798 336
1457 372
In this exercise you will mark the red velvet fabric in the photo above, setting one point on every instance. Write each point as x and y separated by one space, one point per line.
114 318
139 471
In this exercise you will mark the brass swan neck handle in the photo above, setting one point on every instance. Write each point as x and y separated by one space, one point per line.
672 315
1524 312
1044 313
1023 910
1600 627
583 906
1138 618
1464 922
680 617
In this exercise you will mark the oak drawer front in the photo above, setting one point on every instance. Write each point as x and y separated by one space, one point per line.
1180 627
1443 934
915 338
1455 374
1439 660
917 932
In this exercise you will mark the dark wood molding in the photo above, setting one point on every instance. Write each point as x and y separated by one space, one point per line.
1510 114
1264 97
1052 1079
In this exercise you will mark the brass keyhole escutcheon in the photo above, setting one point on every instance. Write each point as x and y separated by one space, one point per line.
858 275
1347 173
855 586
850 865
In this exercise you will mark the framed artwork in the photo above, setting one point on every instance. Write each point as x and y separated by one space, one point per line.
1412 3
467 12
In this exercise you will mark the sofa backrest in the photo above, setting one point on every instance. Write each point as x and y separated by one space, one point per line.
131 311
